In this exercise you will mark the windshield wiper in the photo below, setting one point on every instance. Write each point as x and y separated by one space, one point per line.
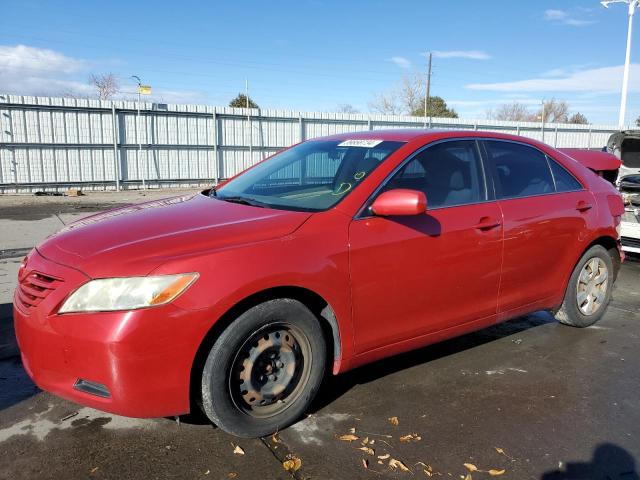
244 201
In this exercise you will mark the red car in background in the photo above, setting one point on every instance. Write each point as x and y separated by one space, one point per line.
331 254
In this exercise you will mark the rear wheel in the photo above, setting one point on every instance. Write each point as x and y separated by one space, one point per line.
589 289
264 370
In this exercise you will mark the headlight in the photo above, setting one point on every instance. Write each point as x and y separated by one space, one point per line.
109 294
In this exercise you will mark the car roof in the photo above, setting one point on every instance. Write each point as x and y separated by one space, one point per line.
411 134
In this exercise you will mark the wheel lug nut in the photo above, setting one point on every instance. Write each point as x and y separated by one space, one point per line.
279 364
272 377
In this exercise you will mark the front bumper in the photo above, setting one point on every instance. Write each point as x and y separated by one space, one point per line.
142 357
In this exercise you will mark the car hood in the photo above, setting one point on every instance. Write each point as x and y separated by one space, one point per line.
136 239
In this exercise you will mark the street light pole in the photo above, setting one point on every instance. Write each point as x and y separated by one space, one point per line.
625 76
138 136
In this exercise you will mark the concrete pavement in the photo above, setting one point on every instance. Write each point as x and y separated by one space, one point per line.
531 397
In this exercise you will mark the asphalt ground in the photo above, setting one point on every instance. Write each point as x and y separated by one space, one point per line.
529 397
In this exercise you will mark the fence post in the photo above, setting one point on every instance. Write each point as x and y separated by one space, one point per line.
116 155
301 125
215 146
555 139
589 140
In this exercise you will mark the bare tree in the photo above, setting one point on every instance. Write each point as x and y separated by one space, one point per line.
106 85
347 108
386 103
555 111
407 98
515 112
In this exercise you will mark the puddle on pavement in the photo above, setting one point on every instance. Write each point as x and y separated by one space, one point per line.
42 423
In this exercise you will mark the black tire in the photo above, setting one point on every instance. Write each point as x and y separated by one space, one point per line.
570 313
264 370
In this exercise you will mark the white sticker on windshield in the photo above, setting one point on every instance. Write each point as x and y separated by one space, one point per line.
360 143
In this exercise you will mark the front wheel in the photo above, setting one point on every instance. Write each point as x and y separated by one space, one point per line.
264 369
589 289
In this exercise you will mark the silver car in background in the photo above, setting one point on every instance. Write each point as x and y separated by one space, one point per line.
626 146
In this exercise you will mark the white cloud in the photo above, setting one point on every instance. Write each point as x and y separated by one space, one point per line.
468 54
401 62
563 17
37 71
28 70
597 80
555 14
30 60
574 22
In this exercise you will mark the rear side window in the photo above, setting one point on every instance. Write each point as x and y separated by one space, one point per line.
519 170
449 173
565 182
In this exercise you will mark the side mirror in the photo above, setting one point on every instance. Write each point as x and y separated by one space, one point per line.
400 202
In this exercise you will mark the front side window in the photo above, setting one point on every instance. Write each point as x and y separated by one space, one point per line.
449 173
519 170
312 176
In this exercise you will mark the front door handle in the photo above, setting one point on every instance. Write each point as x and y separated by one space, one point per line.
583 206
487 223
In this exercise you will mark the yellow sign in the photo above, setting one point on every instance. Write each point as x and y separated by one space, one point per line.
144 90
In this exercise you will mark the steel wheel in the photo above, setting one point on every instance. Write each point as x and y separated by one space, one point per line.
270 370
592 286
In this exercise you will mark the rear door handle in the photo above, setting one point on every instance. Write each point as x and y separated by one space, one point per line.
583 206
487 223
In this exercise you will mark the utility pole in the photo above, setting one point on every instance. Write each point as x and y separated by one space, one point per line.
427 93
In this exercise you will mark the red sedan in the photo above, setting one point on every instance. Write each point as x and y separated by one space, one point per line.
331 254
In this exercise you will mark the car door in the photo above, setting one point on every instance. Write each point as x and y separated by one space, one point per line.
412 275
546 212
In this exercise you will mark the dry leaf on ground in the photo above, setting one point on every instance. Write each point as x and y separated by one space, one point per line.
275 438
368 450
352 430
412 437
365 463
494 473
471 467
348 438
394 421
238 450
292 463
398 465
384 457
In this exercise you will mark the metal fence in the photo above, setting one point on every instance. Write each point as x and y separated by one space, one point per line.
56 143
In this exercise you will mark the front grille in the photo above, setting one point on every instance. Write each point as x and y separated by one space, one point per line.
630 242
34 288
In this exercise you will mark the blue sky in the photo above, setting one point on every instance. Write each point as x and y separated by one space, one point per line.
314 55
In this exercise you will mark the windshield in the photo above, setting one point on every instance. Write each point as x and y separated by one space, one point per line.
312 176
